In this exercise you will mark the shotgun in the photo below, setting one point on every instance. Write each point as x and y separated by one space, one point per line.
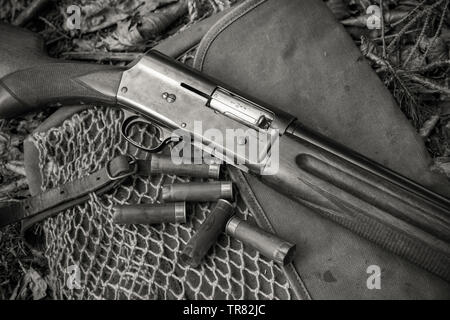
374 202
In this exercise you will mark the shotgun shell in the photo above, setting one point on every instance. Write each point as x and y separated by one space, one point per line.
150 213
266 243
164 164
198 191
207 234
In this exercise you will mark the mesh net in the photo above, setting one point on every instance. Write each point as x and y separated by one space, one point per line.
136 261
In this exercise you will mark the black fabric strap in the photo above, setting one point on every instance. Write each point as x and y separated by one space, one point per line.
69 194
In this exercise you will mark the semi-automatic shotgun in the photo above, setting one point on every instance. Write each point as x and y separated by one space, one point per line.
369 199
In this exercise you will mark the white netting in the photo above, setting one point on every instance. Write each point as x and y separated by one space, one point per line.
138 261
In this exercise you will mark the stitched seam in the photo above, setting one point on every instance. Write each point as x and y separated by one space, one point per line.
252 202
4 86
220 26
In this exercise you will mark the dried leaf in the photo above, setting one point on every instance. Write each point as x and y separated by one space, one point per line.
390 17
441 165
37 285
125 37
364 4
50 168
369 47
14 153
16 167
428 126
153 24
130 35
98 15
13 186
445 36
435 86
339 8
445 108
4 143
8 9
86 44
32 286
393 16
360 21
193 10
416 57
356 32
437 48
447 17
446 132
371 51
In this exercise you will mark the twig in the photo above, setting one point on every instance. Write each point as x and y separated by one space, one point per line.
428 83
395 35
410 23
49 42
409 14
382 29
428 67
376 59
30 12
11 139
441 22
412 3
419 39
13 186
412 107
51 25
214 6
16 167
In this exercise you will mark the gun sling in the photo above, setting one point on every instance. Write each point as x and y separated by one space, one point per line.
53 201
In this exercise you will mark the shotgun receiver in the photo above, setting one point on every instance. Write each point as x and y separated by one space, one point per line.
365 197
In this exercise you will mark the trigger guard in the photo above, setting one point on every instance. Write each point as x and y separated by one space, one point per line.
137 119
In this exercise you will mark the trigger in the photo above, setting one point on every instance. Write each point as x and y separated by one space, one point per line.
167 135
166 138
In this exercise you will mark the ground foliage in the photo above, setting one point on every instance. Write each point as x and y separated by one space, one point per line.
410 53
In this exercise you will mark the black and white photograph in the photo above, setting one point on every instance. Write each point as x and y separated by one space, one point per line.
186 152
